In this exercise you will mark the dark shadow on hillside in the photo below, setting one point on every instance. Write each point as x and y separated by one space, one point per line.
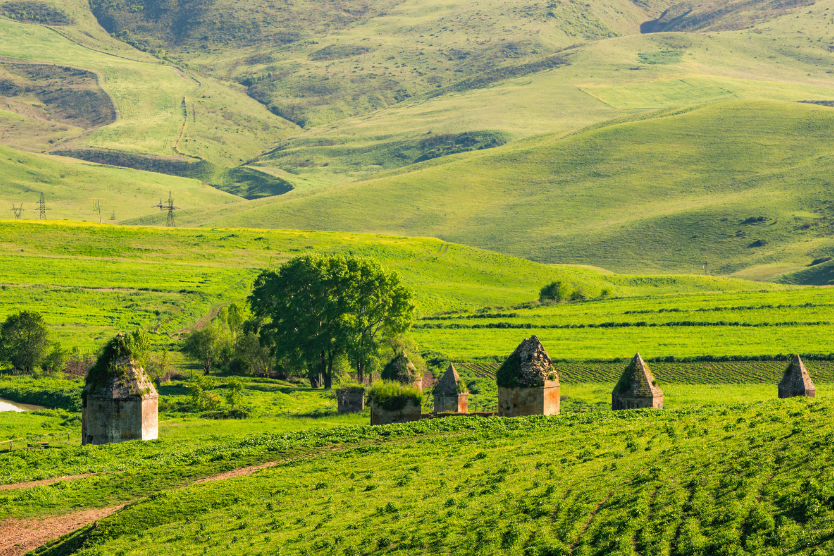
241 181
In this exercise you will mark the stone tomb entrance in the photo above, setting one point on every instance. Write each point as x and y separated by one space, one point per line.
450 395
527 382
119 401
796 381
637 388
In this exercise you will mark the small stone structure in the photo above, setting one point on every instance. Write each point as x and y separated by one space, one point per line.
796 381
527 382
380 416
350 399
450 395
122 407
401 370
637 388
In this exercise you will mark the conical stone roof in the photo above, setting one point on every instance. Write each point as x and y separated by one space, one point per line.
400 369
529 366
637 381
127 380
450 384
796 381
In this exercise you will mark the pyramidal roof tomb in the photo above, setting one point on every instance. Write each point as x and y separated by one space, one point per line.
637 388
529 366
449 383
796 381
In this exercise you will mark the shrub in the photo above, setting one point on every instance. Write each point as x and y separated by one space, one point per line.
393 396
133 346
555 291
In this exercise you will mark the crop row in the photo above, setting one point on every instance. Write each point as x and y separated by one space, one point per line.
697 372
529 326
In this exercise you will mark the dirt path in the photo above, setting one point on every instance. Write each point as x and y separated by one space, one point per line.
237 472
19 536
44 482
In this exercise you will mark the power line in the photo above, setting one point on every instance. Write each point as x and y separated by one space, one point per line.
169 206
42 207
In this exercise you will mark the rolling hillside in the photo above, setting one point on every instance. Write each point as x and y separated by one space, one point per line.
741 186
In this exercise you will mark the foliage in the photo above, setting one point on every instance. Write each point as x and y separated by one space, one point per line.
321 307
24 339
201 398
234 389
203 346
35 12
50 392
132 346
393 396
507 375
401 370
555 291
56 359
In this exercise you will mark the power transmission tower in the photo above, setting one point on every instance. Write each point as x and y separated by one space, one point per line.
169 206
98 210
18 211
42 207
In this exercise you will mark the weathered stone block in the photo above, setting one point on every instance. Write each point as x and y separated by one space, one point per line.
350 400
108 420
518 401
637 388
796 381
380 416
452 404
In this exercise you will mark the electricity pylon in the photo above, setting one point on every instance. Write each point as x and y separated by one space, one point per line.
42 207
18 211
169 206
97 209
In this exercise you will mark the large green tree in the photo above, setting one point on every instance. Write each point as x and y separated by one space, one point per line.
315 308
24 340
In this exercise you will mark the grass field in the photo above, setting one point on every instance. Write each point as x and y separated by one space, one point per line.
698 479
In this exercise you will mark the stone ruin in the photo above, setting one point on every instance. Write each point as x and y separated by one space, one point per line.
637 388
796 381
119 401
351 399
406 414
527 382
449 393
401 370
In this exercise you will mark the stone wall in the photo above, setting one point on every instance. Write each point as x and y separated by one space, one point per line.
624 402
380 416
452 404
518 402
106 420
350 402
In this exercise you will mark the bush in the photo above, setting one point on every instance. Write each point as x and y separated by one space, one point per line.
236 413
393 396
555 291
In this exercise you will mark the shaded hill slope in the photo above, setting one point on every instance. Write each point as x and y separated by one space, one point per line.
735 185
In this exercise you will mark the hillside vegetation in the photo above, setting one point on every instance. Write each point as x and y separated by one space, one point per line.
740 186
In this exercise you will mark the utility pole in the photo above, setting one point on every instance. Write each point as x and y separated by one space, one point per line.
169 206
18 211
42 207
98 210
706 272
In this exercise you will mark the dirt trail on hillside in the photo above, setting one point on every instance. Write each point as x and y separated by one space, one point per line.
19 536
237 472
45 482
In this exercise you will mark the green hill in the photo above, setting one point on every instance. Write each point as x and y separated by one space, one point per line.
739 186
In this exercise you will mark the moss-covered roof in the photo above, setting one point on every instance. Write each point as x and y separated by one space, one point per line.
637 381
529 366
118 372
449 384
401 370
796 377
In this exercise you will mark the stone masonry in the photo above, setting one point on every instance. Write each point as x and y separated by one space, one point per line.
796 381
350 400
637 388
124 408
381 416
448 397
527 382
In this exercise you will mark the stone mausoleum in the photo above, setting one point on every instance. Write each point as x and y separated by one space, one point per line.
401 370
527 382
450 395
120 403
796 381
350 399
637 388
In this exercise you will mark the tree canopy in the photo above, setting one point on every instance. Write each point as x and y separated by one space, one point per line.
24 340
315 308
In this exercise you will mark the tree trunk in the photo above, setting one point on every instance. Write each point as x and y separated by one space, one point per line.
328 375
360 376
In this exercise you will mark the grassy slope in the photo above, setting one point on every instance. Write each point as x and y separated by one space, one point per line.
748 477
71 188
618 195
224 125
91 281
